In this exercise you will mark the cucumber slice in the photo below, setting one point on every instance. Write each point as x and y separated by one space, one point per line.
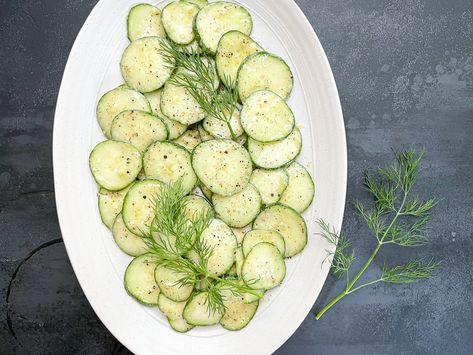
178 20
168 282
263 70
179 105
204 135
220 237
233 48
110 204
128 242
199 3
195 206
250 298
175 129
196 311
117 100
138 128
276 154
288 223
115 165
217 18
264 267
240 209
180 325
257 236
169 163
189 139
237 313
142 65
300 191
139 279
138 208
266 117
144 20
173 311
170 308
270 184
222 165
219 129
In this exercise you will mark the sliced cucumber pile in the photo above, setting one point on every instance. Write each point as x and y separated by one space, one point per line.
235 231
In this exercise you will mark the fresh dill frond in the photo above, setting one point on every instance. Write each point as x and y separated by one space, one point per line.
173 234
395 218
341 259
197 74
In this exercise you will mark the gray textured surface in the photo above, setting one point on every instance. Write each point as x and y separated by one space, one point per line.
405 75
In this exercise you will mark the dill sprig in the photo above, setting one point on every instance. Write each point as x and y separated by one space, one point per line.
396 218
198 76
173 234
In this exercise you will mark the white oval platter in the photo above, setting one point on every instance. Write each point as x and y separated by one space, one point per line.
92 69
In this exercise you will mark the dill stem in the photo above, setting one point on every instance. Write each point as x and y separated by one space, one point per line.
234 137
330 304
348 288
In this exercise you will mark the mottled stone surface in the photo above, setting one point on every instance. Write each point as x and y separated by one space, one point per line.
404 70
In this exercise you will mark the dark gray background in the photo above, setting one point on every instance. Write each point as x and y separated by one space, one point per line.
404 70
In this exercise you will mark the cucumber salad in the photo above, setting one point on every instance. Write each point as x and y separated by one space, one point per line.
197 176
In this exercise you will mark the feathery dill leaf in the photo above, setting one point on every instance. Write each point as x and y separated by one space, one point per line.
411 271
173 233
341 259
197 74
395 218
